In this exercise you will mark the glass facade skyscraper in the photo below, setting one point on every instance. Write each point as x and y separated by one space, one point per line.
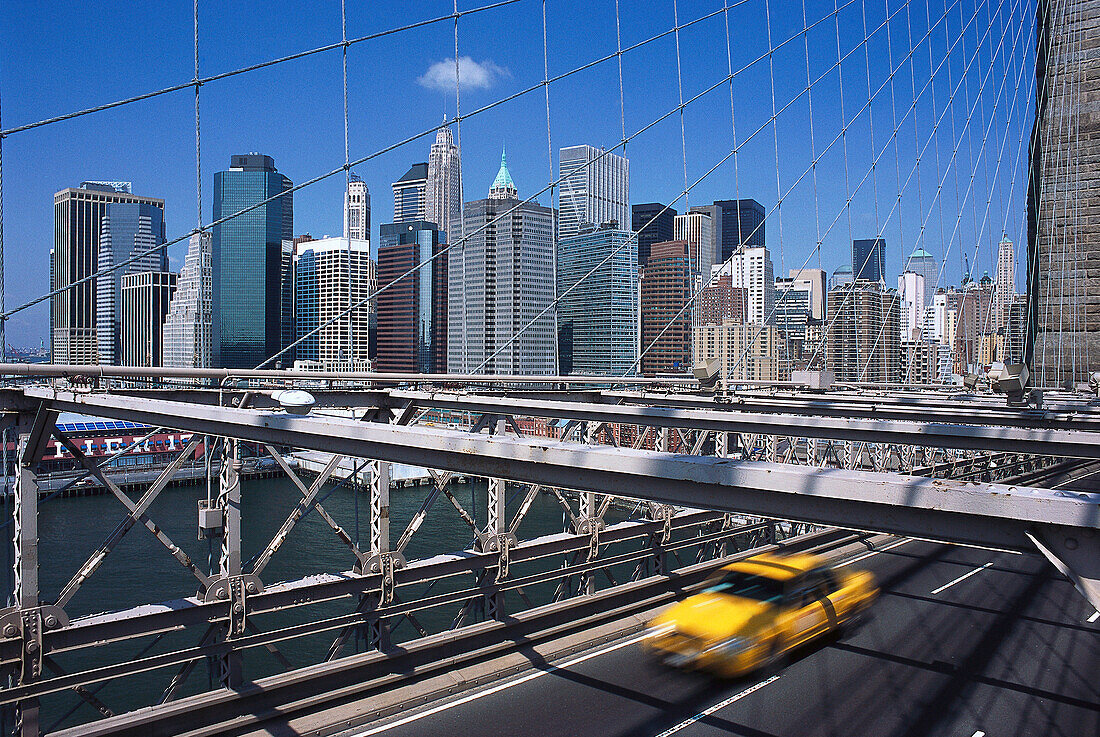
594 189
498 281
410 194
654 224
78 215
869 259
187 326
333 279
412 313
598 318
737 223
250 261
127 230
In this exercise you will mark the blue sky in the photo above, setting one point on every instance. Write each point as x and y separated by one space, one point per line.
63 56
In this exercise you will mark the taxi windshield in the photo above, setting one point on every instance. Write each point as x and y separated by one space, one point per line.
748 586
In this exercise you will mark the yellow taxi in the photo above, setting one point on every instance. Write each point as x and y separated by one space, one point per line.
755 610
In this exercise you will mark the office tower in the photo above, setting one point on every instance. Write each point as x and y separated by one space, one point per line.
719 301
751 269
869 259
593 189
78 215
697 228
911 294
1004 286
598 311
444 186
1063 281
251 256
128 231
356 211
143 306
737 223
665 288
862 342
412 311
498 282
1015 326
793 307
333 279
747 352
410 194
842 276
918 361
653 223
812 280
713 216
188 323
922 262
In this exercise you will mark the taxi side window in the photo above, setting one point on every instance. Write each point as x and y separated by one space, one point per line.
803 593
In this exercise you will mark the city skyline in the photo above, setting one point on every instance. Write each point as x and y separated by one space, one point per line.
390 100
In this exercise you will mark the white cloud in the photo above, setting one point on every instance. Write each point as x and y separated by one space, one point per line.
473 75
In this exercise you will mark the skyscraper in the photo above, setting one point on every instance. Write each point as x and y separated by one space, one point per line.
78 213
912 295
128 230
864 330
333 278
594 188
793 307
737 223
598 311
751 269
250 262
444 186
812 280
143 306
1063 281
746 352
922 262
410 194
869 259
665 288
500 280
412 313
720 301
1004 286
697 228
188 323
653 223
356 209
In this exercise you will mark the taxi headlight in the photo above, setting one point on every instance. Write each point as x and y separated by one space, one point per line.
659 630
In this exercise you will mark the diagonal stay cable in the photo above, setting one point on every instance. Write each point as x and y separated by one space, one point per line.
836 219
380 152
634 235
250 68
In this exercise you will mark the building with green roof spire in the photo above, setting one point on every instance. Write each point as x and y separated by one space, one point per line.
503 187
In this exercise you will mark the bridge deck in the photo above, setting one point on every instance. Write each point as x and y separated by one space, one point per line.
1008 650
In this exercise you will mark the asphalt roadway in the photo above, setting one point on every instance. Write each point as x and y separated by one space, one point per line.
963 642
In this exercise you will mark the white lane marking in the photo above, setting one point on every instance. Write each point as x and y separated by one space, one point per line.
963 577
720 705
979 733
501 687
1094 617
883 549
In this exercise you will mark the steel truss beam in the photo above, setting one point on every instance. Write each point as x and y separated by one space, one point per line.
959 433
966 513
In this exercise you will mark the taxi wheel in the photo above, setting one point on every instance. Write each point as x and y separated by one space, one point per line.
777 656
